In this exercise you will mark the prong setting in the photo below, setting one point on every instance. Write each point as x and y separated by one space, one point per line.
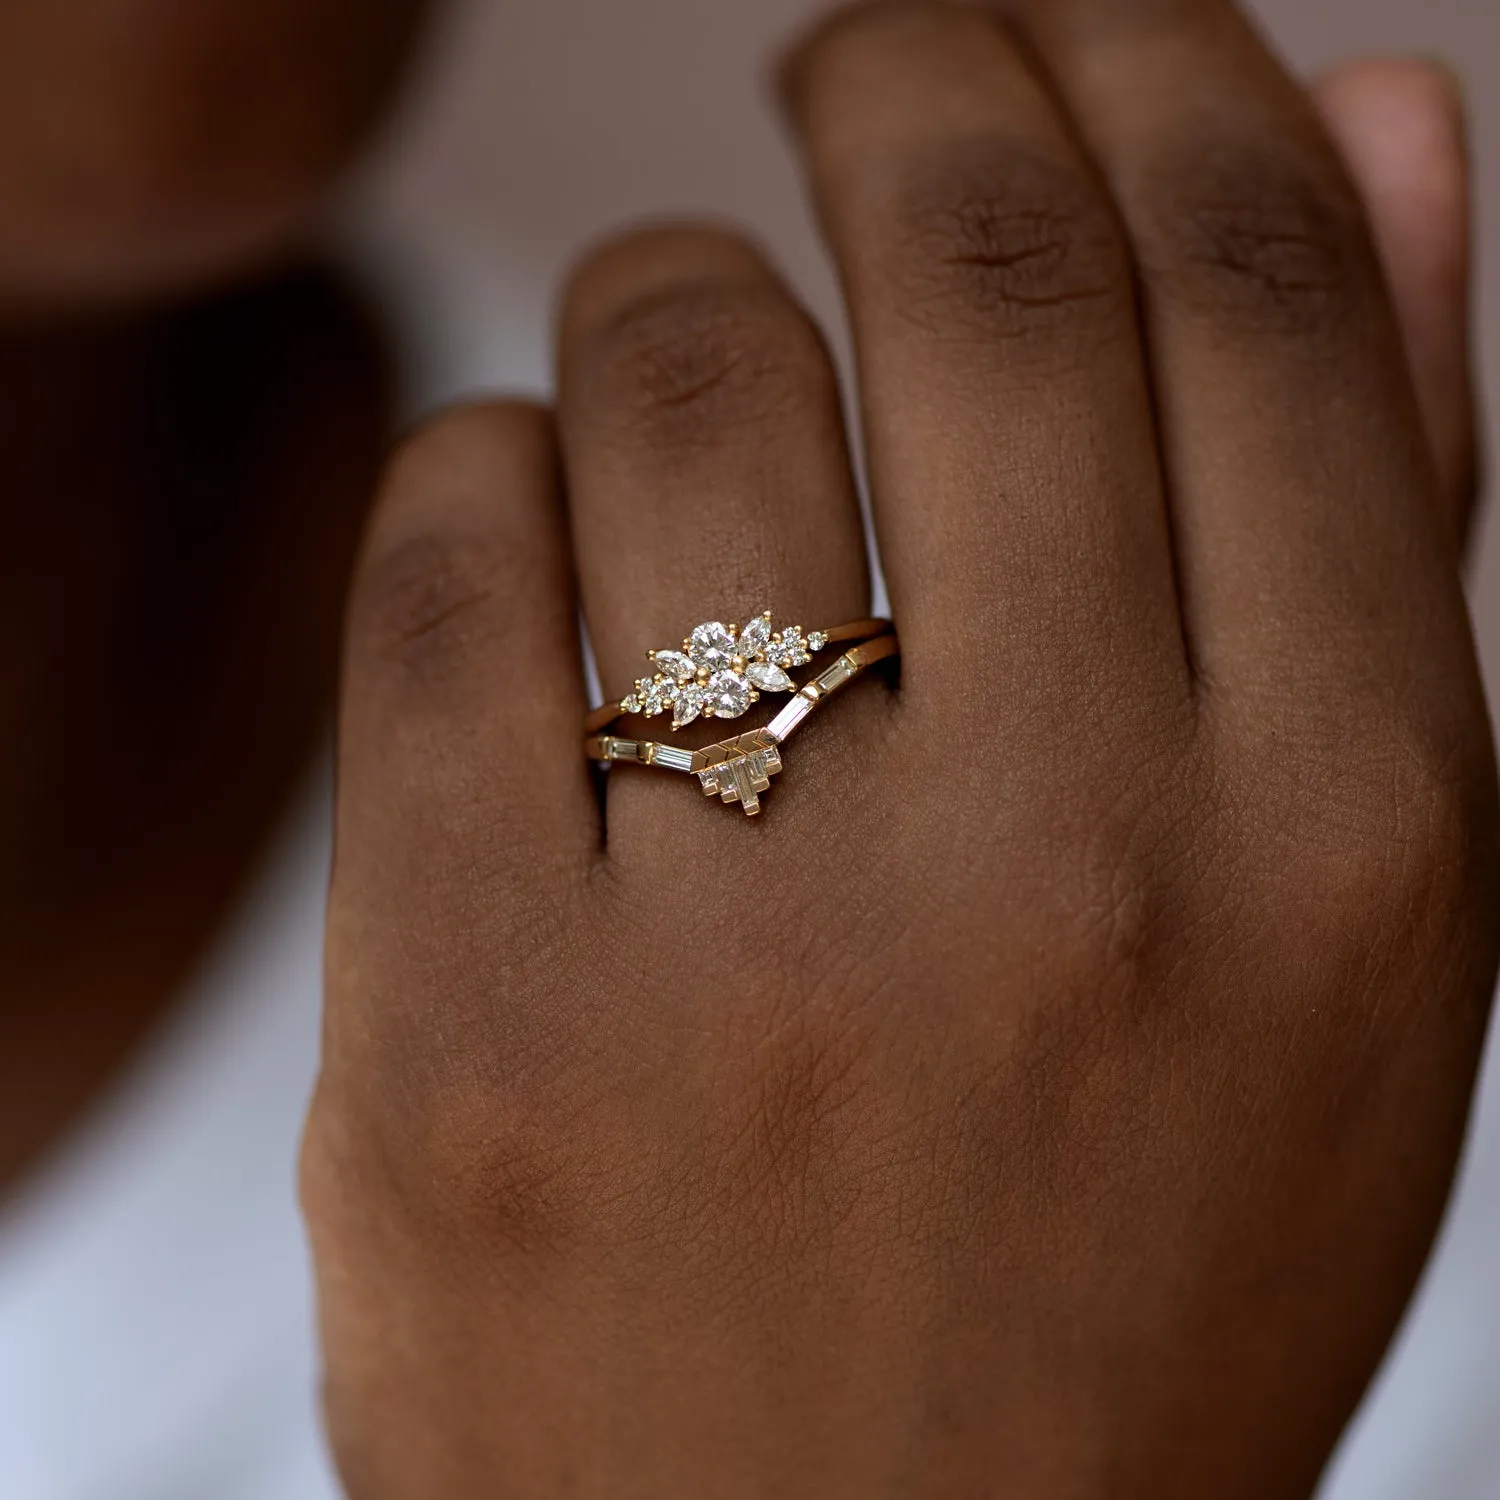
722 669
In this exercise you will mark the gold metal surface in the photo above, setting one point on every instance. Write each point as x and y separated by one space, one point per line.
740 769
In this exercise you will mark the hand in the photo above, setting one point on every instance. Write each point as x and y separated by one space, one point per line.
1055 1092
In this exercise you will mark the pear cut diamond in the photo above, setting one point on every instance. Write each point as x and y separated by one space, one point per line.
721 670
675 664
755 636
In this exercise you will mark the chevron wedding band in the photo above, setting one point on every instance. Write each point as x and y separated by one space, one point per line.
719 672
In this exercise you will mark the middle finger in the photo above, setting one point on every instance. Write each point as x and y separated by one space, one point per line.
707 472
1012 450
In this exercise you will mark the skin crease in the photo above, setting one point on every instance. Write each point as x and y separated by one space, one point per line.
160 219
1055 1092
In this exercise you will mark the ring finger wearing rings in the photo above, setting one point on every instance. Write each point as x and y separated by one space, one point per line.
720 671
688 370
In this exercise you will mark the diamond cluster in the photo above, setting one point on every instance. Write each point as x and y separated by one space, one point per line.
722 669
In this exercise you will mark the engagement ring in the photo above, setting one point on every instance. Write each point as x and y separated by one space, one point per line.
718 673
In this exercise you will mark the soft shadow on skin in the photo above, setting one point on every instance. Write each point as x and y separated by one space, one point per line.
182 495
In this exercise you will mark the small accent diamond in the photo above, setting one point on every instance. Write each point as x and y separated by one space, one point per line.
792 650
721 670
658 694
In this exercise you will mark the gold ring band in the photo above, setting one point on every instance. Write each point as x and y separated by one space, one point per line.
737 769
815 640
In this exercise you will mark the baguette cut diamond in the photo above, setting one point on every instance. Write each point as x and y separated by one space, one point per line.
742 778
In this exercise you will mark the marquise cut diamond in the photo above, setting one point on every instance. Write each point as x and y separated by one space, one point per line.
721 669
768 677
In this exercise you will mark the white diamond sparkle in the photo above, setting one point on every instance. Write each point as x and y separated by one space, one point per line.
722 669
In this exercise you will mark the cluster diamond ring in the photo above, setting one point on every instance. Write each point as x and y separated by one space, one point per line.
719 672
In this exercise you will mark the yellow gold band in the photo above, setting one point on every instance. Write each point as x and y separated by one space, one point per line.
739 769
855 630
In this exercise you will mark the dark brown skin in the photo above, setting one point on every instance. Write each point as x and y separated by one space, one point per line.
1054 1093
186 473
181 490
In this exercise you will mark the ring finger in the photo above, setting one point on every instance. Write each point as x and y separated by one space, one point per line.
706 463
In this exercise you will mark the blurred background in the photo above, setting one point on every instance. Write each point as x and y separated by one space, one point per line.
155 1327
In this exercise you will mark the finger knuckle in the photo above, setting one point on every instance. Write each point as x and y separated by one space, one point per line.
699 362
1106 918
1398 833
1270 238
993 241
421 606
1424 815
444 541
1111 889
482 1149
461 1088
